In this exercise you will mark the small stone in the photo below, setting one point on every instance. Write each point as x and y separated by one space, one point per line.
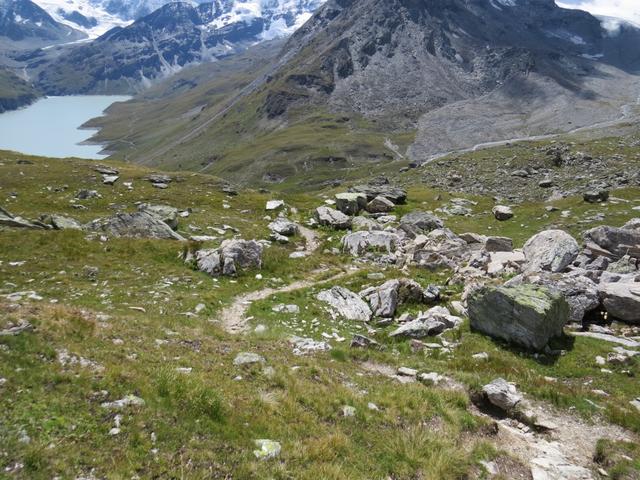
246 358
267 449
502 213
348 411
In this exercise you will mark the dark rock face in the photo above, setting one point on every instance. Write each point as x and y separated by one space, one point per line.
401 62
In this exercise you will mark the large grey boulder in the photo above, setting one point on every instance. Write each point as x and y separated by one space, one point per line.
134 225
285 227
525 315
351 203
164 213
580 292
329 217
502 394
380 205
622 300
358 243
415 223
551 250
618 241
233 255
245 254
346 304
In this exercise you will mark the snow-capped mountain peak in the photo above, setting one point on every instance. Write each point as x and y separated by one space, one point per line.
95 17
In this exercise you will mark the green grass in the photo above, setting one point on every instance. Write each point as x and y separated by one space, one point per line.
203 424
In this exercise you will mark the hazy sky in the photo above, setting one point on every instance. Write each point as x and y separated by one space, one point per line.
627 9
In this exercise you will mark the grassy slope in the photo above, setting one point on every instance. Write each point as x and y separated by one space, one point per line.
205 422
242 144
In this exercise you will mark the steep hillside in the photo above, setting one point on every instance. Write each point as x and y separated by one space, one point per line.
381 76
15 92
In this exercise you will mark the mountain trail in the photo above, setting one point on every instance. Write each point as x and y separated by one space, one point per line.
233 318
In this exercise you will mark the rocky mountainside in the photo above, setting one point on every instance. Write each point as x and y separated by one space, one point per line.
14 91
23 24
369 81
126 59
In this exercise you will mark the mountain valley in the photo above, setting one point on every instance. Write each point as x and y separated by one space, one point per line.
343 240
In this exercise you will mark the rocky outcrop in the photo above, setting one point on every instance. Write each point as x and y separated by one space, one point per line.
433 322
345 303
358 243
617 242
164 213
526 315
231 257
9 220
133 225
551 250
385 299
416 223
351 203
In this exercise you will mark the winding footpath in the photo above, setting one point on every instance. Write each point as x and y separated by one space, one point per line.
233 318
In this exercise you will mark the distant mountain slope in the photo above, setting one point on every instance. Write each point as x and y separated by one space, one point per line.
23 24
163 42
448 73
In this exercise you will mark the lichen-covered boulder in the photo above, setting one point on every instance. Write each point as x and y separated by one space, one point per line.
164 213
232 256
525 315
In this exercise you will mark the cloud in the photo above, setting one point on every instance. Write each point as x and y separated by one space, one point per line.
625 9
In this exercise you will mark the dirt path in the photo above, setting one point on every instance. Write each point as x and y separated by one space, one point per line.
233 318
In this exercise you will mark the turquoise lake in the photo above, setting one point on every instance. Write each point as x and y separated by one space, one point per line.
50 126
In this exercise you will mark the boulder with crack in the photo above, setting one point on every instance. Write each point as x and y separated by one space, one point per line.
416 223
346 304
351 203
232 256
617 242
525 315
